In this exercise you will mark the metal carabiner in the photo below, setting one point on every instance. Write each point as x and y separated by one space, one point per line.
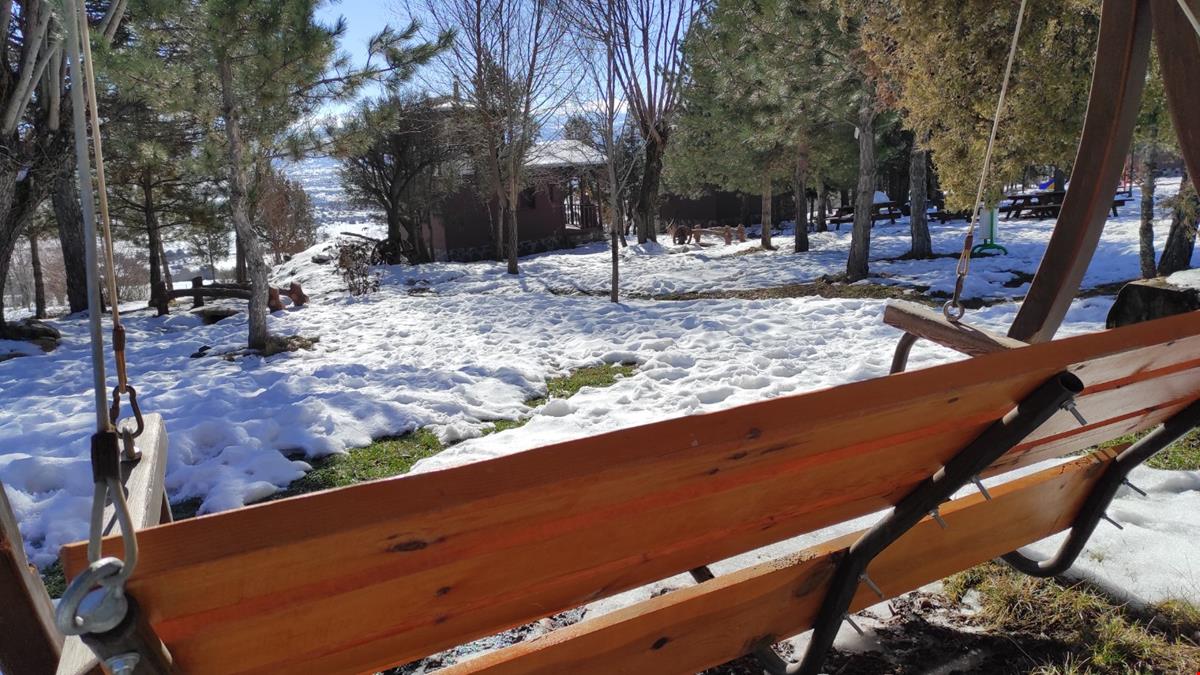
114 411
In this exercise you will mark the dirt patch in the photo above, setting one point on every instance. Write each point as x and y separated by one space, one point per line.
822 288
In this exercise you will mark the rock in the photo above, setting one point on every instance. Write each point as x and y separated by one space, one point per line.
201 352
31 330
322 259
1148 299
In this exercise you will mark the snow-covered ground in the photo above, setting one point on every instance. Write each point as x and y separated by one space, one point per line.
652 269
456 346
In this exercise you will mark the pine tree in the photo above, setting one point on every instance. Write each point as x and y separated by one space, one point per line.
767 102
947 58
251 70
738 129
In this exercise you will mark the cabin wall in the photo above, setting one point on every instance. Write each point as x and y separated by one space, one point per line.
462 227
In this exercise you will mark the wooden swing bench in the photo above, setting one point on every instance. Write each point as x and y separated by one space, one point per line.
379 574
366 577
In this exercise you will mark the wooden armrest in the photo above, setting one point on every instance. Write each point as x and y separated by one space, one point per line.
31 643
931 324
148 507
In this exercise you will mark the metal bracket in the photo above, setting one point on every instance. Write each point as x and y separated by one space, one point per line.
993 443
1095 507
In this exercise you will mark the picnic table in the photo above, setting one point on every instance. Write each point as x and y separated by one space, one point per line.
879 211
1047 204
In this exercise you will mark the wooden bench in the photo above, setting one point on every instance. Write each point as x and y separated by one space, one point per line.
379 574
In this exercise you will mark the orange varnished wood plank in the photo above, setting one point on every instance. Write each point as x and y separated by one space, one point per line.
398 569
688 630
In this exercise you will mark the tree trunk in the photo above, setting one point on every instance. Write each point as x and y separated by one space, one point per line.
39 283
510 234
800 194
1177 253
69 216
646 209
613 294
614 203
1060 180
154 239
166 265
767 196
922 246
823 209
1146 226
239 255
860 238
251 248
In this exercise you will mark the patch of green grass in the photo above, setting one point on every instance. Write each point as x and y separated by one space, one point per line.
567 386
592 376
55 579
1099 635
382 459
1183 455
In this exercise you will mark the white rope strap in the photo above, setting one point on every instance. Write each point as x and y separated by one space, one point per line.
953 309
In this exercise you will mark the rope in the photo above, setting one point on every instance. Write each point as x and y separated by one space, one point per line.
105 451
87 204
953 309
102 190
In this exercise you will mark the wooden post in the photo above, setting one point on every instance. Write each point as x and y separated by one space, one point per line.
273 302
197 296
31 643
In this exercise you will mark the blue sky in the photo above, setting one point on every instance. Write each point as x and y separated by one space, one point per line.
363 19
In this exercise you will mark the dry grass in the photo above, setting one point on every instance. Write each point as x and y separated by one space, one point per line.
1097 634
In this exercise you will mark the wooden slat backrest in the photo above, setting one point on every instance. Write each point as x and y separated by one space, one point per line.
701 626
385 572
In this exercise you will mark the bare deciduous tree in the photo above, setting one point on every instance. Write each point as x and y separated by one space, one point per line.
600 63
509 63
645 38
